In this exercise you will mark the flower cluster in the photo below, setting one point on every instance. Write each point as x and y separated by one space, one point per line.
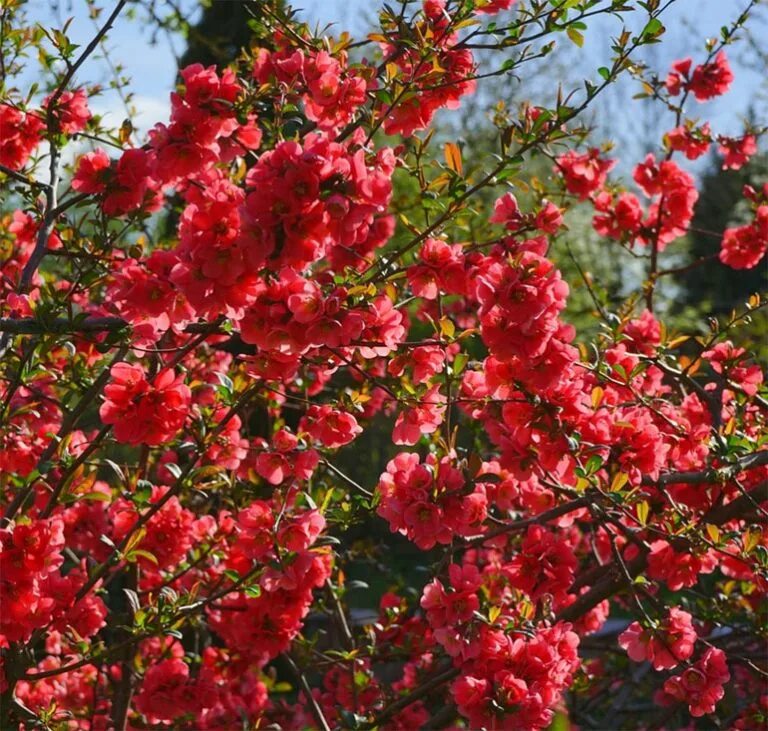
271 614
743 247
331 90
673 194
664 646
517 680
203 330
700 686
144 412
427 86
306 199
35 593
585 173
22 133
429 502
705 81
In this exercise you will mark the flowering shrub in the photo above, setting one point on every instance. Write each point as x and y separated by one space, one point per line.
205 331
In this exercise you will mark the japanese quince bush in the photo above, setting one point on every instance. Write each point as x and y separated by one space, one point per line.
198 326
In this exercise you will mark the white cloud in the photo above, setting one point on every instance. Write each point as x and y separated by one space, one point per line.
148 111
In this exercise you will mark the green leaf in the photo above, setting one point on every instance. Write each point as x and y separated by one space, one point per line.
460 363
142 493
140 553
560 723
653 29
135 539
594 463
575 36
98 496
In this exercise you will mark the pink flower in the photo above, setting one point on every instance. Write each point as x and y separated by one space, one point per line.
21 134
143 412
70 111
617 219
506 211
744 247
583 173
730 362
665 646
701 686
693 142
707 80
711 79
424 418
92 173
330 427
736 151
549 218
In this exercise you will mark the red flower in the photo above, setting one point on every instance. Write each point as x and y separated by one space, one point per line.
675 195
676 77
711 79
144 413
506 211
70 111
736 151
21 134
701 686
583 173
617 219
437 84
693 142
92 173
424 417
330 427
167 692
730 362
744 247
707 80
664 646
544 565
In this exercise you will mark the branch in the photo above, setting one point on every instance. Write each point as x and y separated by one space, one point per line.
21 178
49 219
31 326
317 712
614 579
89 49
544 517
423 690
736 508
347 479
61 325
711 475
51 194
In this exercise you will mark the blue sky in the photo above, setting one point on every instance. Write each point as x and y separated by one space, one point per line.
152 67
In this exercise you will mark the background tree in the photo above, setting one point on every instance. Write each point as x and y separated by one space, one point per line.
721 206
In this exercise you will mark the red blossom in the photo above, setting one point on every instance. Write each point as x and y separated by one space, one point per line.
143 412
